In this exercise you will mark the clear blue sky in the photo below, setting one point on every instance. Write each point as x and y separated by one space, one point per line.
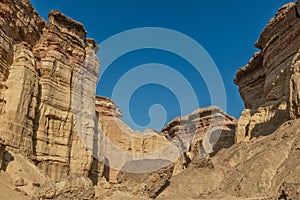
226 29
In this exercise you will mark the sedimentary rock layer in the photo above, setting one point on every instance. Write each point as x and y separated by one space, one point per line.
202 133
47 69
121 145
269 84
248 170
130 156
48 79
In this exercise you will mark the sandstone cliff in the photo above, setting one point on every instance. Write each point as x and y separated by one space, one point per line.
154 157
269 84
40 65
179 142
264 164
254 170
120 144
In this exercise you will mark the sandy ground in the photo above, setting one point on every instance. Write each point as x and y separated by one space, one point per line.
16 168
7 189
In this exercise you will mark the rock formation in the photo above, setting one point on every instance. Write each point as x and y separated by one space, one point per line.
180 141
121 145
40 65
58 141
204 132
254 170
289 191
269 84
2 148
264 164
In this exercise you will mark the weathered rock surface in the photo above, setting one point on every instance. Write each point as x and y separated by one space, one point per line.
269 83
145 184
5 63
202 133
264 164
289 191
2 149
61 54
41 65
71 187
121 145
208 129
25 176
256 169
181 142
20 28
20 21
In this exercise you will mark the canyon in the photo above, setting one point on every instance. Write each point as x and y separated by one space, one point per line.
58 140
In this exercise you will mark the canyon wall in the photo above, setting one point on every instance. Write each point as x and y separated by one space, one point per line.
41 64
142 163
20 30
264 162
50 118
121 145
49 112
204 132
269 84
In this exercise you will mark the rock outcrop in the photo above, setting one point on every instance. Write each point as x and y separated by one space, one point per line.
254 170
21 28
61 53
41 64
180 144
207 130
264 163
202 133
121 145
269 84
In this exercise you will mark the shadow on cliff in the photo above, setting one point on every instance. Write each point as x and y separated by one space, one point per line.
7 158
225 140
267 128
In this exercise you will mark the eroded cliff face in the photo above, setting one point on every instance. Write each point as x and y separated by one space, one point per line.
260 169
121 145
269 84
20 29
266 164
61 54
50 115
155 157
41 64
202 133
